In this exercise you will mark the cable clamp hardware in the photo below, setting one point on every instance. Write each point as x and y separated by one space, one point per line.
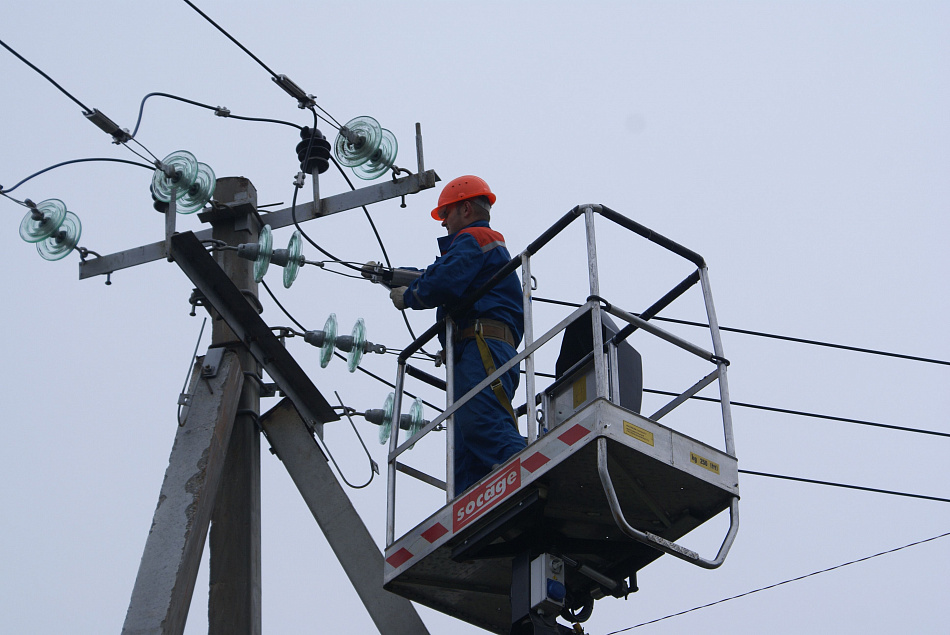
715 359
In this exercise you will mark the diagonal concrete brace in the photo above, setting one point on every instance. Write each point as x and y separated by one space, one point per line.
341 524
166 578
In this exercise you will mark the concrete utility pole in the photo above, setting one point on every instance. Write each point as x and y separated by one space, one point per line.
234 602
213 474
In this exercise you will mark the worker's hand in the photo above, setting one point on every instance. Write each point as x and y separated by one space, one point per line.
369 269
396 295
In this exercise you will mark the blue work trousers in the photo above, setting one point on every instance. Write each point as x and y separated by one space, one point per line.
485 434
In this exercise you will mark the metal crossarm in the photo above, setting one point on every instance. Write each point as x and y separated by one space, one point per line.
243 319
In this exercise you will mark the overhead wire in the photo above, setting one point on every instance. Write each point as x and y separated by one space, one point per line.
88 112
799 340
788 338
846 486
800 413
331 121
220 111
778 584
61 164
230 37
47 77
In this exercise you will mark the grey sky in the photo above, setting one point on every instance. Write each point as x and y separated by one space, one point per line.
801 147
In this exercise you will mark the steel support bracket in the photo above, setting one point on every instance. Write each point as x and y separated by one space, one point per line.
280 218
222 294
211 361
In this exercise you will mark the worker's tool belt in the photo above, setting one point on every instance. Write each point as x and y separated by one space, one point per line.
489 329
494 330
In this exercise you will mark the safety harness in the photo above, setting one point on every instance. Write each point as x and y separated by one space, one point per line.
492 330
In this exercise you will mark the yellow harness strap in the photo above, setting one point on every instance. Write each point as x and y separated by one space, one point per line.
496 386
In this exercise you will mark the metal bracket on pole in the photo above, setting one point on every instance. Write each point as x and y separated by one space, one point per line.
248 326
170 213
341 524
166 577
281 218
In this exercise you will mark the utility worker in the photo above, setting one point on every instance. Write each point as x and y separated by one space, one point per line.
487 335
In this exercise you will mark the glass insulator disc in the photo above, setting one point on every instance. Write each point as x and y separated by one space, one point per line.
265 250
355 355
353 153
200 192
386 427
329 339
381 161
63 241
186 168
293 261
416 421
33 231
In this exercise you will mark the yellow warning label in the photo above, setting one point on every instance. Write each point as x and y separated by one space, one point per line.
580 392
703 462
638 433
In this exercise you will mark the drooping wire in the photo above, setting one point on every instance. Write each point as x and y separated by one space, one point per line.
281 307
369 218
293 208
382 248
405 318
846 486
772 586
218 110
343 357
374 468
387 383
58 165
47 77
293 215
804 414
228 35
772 336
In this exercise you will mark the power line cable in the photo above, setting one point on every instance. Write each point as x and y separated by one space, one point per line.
799 340
843 485
772 586
405 318
741 404
47 77
369 218
773 336
281 306
330 120
220 111
229 36
800 413
70 162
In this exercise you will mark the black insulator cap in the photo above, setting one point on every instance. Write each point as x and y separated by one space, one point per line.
159 206
319 155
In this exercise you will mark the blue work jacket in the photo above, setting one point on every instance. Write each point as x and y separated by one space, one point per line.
470 257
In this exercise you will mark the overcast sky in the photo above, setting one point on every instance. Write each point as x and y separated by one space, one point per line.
802 148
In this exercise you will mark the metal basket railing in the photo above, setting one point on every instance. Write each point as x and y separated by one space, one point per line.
600 353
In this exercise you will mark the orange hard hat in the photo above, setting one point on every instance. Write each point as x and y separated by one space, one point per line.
464 187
